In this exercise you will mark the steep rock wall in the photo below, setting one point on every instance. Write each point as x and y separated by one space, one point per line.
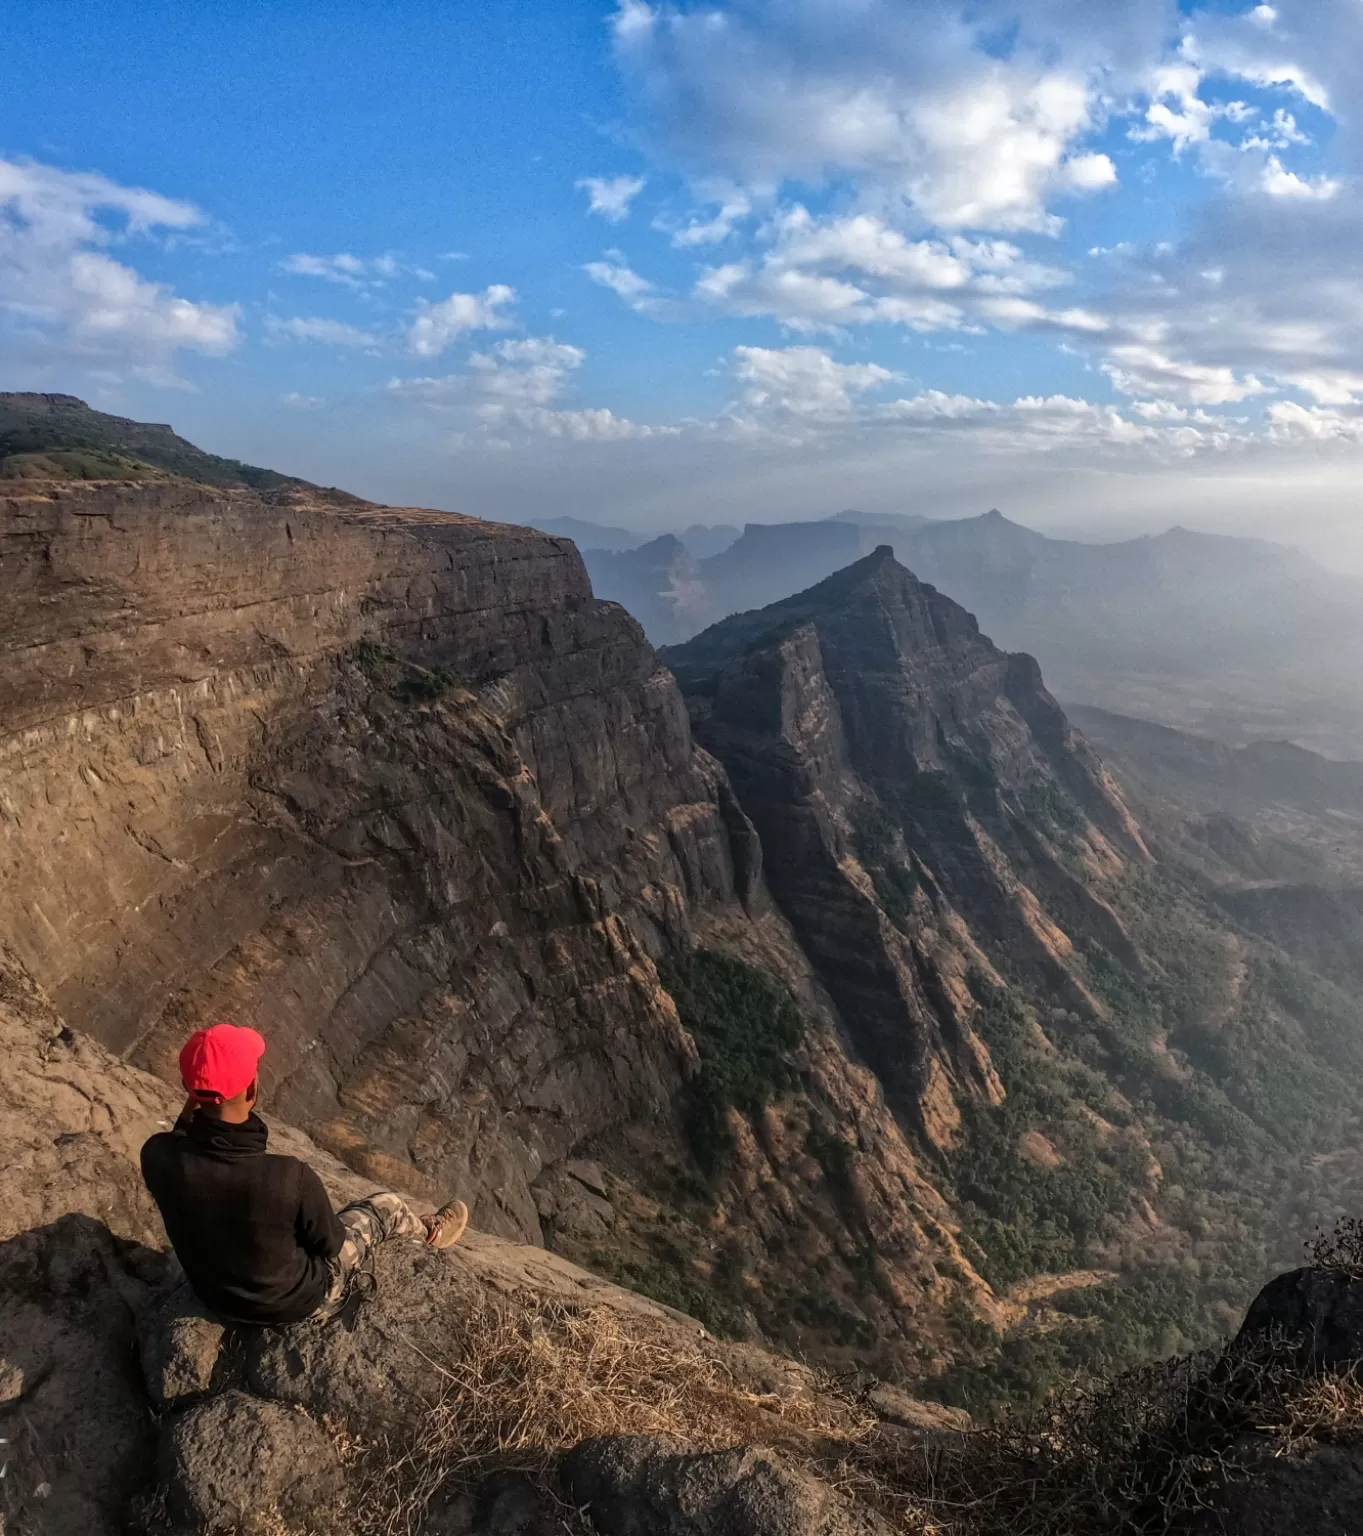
208 808
903 774
394 787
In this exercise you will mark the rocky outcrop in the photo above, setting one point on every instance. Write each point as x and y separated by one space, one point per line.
1315 1313
639 1486
267 832
922 804
122 1406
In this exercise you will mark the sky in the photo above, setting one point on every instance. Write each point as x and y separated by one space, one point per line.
1098 264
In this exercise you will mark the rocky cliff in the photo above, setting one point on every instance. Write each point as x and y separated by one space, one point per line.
921 801
496 1390
395 788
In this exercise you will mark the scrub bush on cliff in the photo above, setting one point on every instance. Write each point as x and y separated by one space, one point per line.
746 1028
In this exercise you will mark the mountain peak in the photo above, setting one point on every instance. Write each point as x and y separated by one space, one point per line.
859 595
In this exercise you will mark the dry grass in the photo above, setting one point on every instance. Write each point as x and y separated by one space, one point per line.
1139 1455
1328 1408
534 1378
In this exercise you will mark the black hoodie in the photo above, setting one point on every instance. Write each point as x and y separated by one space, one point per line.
252 1230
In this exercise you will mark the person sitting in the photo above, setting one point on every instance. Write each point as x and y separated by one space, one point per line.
254 1231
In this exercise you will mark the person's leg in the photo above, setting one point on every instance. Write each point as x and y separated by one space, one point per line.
384 1215
367 1222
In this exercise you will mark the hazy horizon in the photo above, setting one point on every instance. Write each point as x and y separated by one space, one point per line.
656 264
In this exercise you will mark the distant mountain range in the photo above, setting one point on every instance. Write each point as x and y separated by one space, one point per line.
1237 638
675 589
700 539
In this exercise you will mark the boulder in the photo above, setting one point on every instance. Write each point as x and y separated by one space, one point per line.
644 1485
178 1340
371 1369
236 1464
895 1406
1310 1489
1320 1309
507 1504
80 1440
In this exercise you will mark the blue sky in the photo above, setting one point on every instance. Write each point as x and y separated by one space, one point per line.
1097 263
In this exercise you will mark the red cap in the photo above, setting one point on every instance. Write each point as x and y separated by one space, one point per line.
221 1062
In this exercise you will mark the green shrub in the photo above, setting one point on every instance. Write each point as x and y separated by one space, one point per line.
423 685
879 843
746 1027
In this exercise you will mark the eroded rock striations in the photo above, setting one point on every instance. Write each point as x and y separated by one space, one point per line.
394 787
903 775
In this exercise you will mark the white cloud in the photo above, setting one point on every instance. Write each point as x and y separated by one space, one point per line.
826 273
350 271
511 388
913 101
610 196
1176 111
1251 47
1290 422
529 372
1143 370
64 297
582 426
318 328
638 292
437 325
297 402
1338 386
803 381
1053 423
731 207
1278 182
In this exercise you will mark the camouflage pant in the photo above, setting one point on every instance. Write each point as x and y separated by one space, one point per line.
367 1222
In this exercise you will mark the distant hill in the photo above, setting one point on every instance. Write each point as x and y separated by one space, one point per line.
1238 639
1162 763
58 437
659 582
589 535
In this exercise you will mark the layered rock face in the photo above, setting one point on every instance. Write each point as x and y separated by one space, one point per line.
210 808
903 775
395 788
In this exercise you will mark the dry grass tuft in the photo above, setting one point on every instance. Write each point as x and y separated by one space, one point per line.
534 1378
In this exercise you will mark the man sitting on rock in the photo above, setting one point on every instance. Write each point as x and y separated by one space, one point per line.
254 1231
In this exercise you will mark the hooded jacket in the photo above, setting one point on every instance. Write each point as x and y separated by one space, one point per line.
254 1231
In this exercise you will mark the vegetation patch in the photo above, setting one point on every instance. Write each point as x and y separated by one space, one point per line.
671 1278
746 1027
879 844
405 679
1026 1219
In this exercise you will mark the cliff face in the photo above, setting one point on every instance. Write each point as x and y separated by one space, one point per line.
923 807
395 788
830 995
215 805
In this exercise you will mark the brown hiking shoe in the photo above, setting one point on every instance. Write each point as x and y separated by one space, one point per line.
447 1225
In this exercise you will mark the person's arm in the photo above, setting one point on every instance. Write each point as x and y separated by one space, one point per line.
318 1227
153 1163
